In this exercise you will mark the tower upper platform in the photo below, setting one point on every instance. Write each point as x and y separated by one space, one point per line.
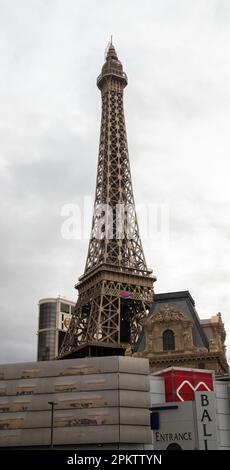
112 68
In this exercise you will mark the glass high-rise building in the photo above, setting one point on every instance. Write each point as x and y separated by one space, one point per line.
53 322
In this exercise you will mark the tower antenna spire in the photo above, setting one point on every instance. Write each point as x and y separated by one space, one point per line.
111 40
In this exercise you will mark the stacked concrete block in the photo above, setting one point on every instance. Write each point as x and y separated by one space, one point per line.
98 401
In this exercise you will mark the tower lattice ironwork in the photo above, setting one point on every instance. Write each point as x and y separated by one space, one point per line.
116 288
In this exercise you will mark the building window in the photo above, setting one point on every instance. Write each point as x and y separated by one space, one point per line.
65 308
168 340
201 365
47 315
174 446
46 345
61 336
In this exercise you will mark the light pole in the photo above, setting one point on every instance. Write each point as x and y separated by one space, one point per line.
52 403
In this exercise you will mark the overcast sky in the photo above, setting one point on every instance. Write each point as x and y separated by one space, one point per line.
177 105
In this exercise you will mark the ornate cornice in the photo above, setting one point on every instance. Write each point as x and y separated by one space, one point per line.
168 314
185 357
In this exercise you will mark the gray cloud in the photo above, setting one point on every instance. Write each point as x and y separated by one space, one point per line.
177 108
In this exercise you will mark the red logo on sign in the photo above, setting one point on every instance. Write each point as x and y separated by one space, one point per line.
186 389
181 384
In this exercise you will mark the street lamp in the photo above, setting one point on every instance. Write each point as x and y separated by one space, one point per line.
52 403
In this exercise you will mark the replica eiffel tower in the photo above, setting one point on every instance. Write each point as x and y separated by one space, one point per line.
116 289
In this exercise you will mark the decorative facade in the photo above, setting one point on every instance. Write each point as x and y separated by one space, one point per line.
175 336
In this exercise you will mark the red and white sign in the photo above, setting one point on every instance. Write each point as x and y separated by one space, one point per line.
181 384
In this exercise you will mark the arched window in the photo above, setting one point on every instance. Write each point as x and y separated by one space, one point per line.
174 446
168 340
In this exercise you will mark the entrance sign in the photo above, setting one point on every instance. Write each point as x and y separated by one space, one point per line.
176 427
